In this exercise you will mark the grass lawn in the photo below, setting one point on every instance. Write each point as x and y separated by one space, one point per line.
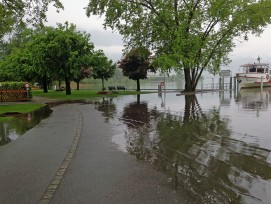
61 95
18 108
82 94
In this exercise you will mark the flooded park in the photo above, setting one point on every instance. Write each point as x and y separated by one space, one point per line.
213 147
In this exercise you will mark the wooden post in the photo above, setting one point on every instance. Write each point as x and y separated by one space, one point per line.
213 83
234 82
261 83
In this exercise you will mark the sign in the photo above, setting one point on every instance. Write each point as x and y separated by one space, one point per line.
225 73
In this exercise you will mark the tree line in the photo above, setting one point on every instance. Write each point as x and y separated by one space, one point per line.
55 54
189 36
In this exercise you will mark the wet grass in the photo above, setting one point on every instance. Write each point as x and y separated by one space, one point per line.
84 94
17 108
60 95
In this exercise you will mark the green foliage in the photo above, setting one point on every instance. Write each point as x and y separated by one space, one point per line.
12 85
102 67
50 54
188 35
61 53
136 64
16 14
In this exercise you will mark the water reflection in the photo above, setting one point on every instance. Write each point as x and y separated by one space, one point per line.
254 99
107 107
195 149
11 130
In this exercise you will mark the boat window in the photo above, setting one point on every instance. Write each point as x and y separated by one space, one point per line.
260 70
252 69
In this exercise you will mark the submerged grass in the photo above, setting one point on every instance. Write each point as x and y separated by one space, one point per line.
83 94
60 95
17 108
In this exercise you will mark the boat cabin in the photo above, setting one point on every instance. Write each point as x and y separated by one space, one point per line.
256 68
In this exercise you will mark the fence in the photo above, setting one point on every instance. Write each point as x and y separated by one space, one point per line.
14 95
218 83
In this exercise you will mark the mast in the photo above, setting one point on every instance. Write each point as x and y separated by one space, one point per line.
259 59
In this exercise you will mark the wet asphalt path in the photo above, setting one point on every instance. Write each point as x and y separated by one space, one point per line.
97 171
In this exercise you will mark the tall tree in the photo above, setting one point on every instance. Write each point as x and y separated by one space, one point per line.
102 67
51 54
84 73
135 64
189 35
61 53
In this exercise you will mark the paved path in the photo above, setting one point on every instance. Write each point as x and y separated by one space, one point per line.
69 158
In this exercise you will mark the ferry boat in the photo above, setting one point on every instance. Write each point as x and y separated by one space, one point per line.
254 75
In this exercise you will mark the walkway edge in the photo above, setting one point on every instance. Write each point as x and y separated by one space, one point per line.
64 166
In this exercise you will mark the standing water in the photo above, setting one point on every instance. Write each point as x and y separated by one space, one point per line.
12 129
214 147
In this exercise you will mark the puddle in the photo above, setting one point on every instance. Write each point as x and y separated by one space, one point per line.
13 129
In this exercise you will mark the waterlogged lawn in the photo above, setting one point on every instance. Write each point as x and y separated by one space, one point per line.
82 94
18 108
61 95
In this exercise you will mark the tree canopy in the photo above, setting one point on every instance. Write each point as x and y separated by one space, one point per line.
135 64
102 68
189 35
17 13
51 54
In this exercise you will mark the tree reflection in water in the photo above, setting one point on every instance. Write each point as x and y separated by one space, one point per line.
107 107
196 152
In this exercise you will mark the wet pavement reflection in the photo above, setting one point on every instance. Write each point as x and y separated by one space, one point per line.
206 144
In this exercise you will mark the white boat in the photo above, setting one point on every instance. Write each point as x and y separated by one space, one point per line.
254 75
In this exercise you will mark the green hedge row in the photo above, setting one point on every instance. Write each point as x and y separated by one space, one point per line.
15 91
14 85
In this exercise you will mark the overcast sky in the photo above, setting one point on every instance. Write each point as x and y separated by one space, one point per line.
112 45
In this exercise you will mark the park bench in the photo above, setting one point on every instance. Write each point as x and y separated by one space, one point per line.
121 88
60 88
111 88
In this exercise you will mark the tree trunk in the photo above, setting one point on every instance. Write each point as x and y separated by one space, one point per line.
138 99
189 87
77 85
68 86
103 84
137 85
189 109
44 84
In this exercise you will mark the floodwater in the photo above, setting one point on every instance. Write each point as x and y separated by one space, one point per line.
214 147
13 129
